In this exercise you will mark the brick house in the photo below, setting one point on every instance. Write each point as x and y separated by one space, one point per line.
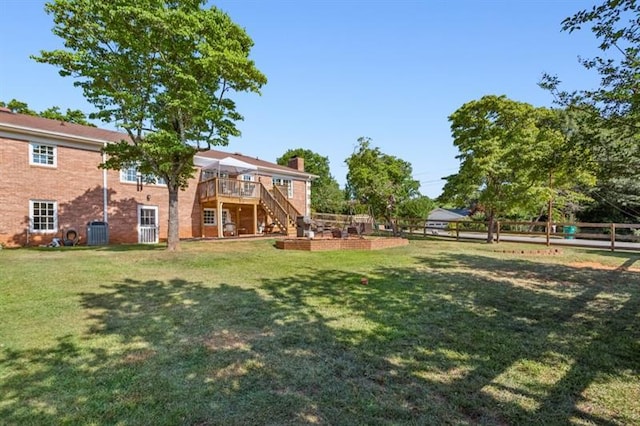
50 183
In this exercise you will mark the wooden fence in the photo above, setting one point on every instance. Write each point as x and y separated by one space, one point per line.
611 232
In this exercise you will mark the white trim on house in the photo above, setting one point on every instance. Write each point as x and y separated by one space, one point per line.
283 179
148 228
226 214
105 189
308 198
132 172
281 172
59 139
40 146
32 215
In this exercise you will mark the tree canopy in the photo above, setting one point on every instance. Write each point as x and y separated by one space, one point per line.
610 113
417 207
514 157
70 116
326 195
162 71
616 194
616 23
378 180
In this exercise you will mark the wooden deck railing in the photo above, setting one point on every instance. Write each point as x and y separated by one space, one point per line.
282 211
207 188
217 187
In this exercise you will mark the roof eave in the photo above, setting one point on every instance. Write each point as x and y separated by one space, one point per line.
291 172
57 135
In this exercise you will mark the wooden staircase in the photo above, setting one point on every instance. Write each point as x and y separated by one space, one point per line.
278 207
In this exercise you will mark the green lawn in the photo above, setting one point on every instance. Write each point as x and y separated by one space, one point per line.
241 333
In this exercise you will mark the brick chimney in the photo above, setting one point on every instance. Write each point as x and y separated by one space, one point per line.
297 163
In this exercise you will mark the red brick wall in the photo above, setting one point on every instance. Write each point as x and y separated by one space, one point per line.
299 199
340 244
76 184
124 199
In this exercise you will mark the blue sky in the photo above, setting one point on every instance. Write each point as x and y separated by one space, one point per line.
389 70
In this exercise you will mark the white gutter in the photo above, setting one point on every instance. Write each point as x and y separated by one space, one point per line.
58 135
284 172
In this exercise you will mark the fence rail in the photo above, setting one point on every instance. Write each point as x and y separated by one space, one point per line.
612 232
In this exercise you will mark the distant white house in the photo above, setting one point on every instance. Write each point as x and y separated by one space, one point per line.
439 218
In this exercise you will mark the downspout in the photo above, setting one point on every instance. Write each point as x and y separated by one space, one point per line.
104 187
308 197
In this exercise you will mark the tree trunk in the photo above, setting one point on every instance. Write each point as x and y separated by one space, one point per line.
490 227
394 226
173 233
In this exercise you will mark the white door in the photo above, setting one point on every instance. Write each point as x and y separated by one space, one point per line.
147 224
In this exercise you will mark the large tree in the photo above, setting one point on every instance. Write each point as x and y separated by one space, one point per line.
513 156
611 111
71 116
616 23
326 195
163 71
379 180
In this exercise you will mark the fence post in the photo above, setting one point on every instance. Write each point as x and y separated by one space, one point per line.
613 237
548 233
498 232
457 231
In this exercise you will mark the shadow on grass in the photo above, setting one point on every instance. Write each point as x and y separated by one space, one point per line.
453 340
500 342
632 260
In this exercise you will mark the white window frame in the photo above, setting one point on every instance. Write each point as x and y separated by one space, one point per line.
226 214
32 216
53 155
247 186
130 175
207 174
281 181
213 212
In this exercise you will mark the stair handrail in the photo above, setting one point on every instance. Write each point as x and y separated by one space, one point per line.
282 199
279 213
